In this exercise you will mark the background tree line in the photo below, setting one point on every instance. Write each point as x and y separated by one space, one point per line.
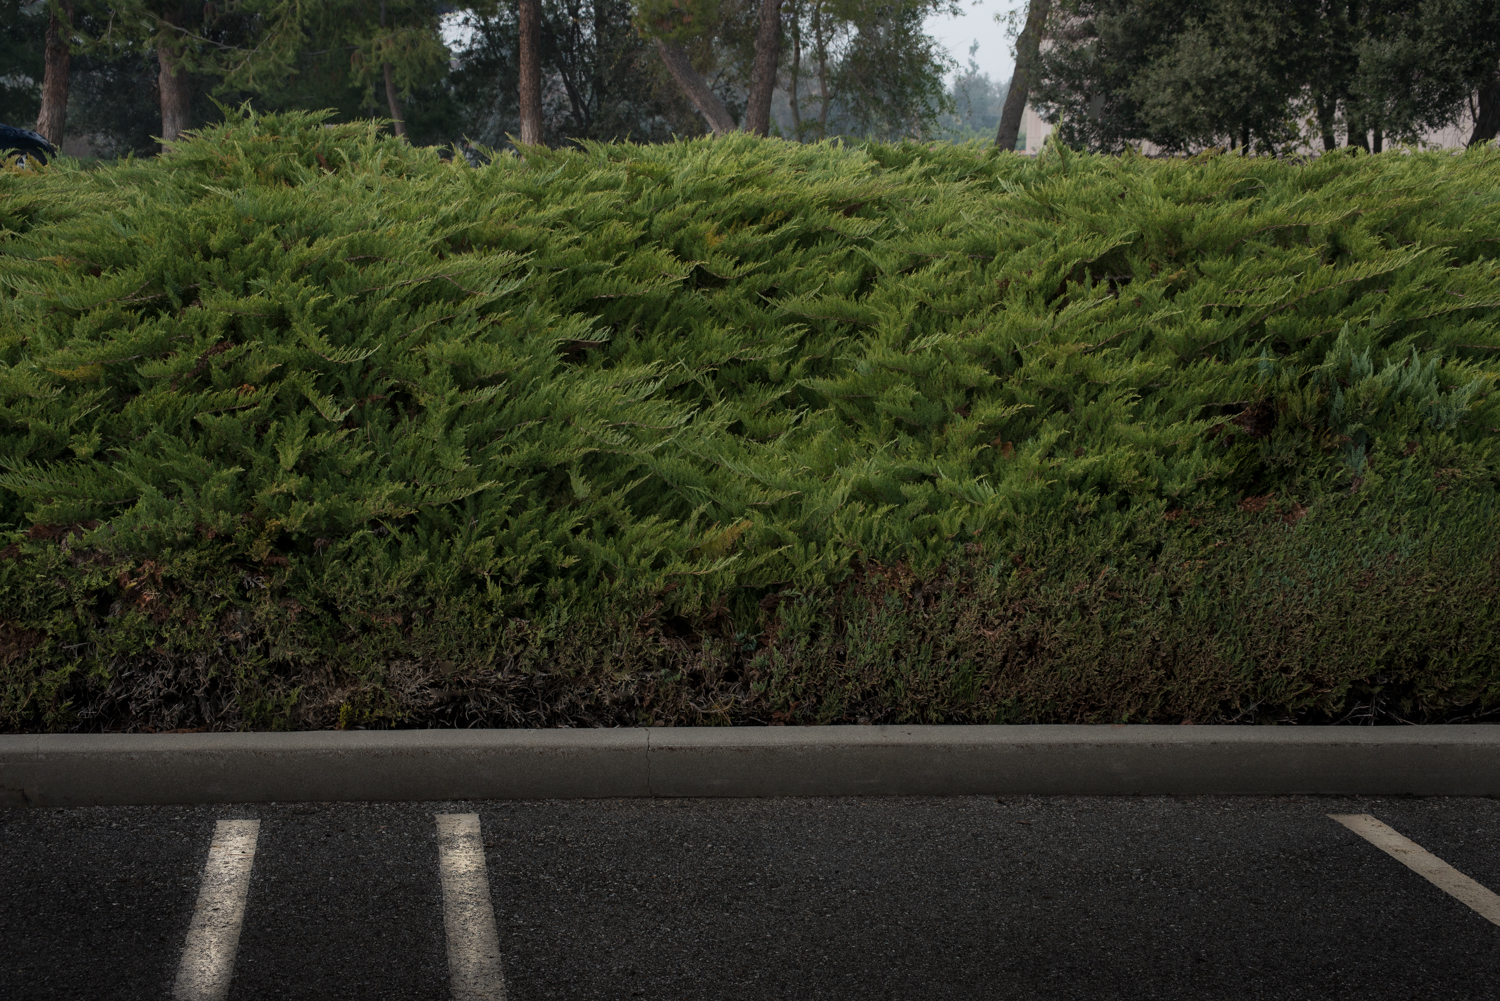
126 72
1260 75
1255 75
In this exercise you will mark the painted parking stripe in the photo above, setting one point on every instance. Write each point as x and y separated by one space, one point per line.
214 936
1416 858
468 915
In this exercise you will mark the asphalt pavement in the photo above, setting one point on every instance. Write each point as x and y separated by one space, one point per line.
867 898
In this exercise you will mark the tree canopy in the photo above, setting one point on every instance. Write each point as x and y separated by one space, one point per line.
1264 74
1183 75
861 68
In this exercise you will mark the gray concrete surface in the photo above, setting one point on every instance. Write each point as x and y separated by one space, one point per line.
834 898
103 769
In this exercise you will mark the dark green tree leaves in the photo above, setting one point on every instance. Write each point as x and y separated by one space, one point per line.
1190 74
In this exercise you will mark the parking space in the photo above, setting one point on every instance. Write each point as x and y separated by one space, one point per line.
95 903
345 902
815 898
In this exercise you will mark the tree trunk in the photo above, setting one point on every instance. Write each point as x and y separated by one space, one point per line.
601 83
531 72
796 69
1487 118
763 70
1028 59
1325 108
822 45
1379 141
53 120
176 96
392 98
695 87
398 120
1358 134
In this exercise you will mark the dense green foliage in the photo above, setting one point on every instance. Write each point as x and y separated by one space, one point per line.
859 68
301 426
1268 74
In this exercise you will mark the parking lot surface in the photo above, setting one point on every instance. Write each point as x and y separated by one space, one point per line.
874 898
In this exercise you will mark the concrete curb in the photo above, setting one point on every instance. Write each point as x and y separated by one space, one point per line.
117 769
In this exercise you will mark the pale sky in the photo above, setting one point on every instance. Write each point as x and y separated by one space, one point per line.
977 24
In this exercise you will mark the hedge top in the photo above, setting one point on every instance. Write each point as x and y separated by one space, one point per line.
713 365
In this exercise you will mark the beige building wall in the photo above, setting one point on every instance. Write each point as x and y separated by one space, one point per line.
1035 129
1453 137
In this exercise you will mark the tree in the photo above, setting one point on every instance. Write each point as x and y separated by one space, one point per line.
1419 64
707 46
1187 74
763 72
697 90
392 96
173 82
1028 60
256 46
539 42
604 80
977 102
877 73
241 44
531 71
1231 73
52 121
361 57
1486 110
677 24
22 27
400 41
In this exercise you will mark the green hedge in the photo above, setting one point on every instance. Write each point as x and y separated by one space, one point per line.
303 427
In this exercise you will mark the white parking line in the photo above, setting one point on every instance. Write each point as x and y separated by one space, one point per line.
468 916
1416 858
214 935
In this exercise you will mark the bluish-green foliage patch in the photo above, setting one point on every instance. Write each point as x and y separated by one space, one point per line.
302 426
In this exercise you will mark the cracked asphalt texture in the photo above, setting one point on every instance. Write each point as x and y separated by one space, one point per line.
872 898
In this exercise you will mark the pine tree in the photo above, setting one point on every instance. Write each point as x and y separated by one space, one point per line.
245 44
52 121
